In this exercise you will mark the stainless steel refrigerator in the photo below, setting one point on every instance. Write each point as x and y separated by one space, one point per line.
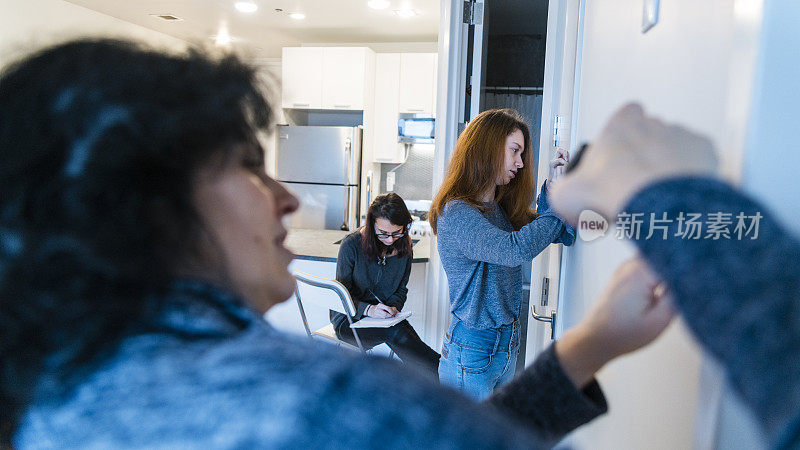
322 167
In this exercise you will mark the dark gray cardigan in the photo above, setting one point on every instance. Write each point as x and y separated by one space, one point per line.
363 276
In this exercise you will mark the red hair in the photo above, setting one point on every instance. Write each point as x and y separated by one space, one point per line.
478 157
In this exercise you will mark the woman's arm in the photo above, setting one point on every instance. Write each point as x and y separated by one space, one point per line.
558 392
345 264
463 229
398 298
567 237
739 294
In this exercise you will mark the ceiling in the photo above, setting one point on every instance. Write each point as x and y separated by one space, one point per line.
264 32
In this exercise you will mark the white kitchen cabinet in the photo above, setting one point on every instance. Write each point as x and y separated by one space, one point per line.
387 106
327 77
301 72
418 83
344 72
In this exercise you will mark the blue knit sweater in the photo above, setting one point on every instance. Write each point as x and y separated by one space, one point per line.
739 296
209 373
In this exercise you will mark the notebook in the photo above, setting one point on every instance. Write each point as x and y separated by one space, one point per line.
372 322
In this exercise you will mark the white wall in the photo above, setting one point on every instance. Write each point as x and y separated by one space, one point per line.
29 24
694 67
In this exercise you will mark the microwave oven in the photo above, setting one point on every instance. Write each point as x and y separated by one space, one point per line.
415 128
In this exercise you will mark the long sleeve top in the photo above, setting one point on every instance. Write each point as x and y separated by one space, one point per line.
363 276
482 256
209 372
739 294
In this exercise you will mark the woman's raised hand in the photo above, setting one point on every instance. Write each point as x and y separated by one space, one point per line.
631 312
632 151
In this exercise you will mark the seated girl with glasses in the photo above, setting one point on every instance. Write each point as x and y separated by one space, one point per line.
374 264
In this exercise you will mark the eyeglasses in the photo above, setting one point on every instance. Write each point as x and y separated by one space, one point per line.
396 235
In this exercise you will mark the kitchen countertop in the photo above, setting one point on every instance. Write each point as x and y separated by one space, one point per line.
318 245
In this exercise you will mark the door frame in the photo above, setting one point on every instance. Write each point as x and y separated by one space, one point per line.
450 103
559 98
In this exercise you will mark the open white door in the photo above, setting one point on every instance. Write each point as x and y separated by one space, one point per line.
557 129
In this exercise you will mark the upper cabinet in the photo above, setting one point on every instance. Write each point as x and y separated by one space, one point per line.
387 106
326 77
418 83
301 73
344 72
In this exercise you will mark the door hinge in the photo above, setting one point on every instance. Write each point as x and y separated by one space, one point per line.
473 13
545 291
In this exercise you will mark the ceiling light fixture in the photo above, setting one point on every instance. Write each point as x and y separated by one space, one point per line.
222 38
297 16
167 17
246 7
405 13
378 4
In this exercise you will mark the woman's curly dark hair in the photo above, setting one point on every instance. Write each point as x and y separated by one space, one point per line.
100 141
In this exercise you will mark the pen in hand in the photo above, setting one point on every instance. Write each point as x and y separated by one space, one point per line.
381 310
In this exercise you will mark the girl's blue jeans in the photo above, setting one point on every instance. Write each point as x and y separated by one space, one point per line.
478 361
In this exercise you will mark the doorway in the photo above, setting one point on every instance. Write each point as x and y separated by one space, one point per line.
521 55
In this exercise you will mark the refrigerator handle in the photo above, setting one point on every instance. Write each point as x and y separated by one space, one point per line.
348 147
369 187
368 198
346 214
348 158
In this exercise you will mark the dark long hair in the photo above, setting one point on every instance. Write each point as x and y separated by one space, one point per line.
478 158
392 208
100 142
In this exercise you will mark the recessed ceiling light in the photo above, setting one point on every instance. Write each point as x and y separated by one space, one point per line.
223 38
378 4
246 7
297 16
168 17
405 13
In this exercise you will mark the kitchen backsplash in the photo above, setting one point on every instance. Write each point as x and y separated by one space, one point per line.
414 178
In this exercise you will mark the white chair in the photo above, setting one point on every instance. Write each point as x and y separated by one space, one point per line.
340 302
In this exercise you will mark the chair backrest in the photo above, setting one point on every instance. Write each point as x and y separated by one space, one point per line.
331 294
325 295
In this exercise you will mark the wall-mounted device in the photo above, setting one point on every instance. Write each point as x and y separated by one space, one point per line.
415 128
649 14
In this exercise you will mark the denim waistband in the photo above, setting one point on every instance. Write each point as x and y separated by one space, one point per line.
494 339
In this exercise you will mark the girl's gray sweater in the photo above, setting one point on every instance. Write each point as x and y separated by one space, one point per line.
482 256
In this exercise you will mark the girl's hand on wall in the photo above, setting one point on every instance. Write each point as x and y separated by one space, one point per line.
557 165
